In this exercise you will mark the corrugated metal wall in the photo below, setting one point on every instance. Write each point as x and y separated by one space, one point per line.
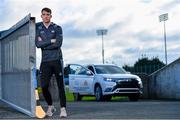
17 60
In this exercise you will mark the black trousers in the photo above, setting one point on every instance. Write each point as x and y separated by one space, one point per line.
48 69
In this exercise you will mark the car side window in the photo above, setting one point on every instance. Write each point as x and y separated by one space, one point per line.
82 71
73 69
77 70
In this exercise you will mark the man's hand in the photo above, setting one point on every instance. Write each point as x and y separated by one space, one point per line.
39 39
53 40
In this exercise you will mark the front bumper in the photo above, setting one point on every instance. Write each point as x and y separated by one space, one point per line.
122 89
125 91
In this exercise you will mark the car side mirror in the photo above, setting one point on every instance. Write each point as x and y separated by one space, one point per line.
88 72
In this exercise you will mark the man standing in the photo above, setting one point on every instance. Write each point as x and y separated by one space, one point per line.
49 38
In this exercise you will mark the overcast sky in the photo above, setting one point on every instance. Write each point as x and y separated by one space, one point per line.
133 27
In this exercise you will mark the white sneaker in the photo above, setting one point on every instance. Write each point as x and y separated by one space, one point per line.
63 113
51 110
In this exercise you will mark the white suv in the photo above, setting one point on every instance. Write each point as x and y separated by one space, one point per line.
103 81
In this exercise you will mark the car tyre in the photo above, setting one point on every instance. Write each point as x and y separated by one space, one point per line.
98 93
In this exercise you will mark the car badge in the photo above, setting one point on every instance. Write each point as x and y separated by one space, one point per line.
85 83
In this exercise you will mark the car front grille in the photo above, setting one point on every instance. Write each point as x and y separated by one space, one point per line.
127 83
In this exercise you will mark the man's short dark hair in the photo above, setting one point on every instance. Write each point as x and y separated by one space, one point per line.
46 9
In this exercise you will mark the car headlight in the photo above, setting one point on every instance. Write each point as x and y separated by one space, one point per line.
108 79
140 82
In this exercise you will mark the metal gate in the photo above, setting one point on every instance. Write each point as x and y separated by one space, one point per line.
17 59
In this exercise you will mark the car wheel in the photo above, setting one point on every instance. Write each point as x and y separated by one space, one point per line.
98 93
77 97
134 97
107 97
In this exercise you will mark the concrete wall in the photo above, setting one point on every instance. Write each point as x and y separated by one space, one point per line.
165 83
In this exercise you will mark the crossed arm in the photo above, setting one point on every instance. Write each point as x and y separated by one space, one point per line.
52 43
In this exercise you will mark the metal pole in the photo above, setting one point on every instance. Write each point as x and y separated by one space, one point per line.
165 42
164 17
102 49
102 32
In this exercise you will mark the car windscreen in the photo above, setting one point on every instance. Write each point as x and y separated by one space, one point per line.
109 69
